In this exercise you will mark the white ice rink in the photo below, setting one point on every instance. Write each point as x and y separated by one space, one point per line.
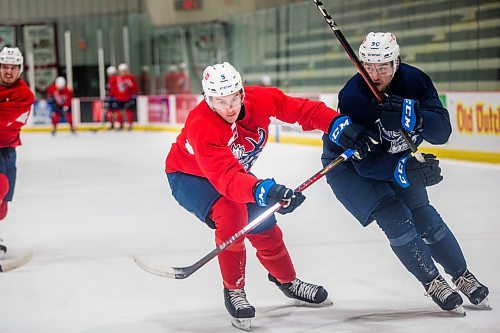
86 204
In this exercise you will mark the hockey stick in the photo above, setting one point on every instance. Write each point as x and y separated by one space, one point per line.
184 272
354 59
7 265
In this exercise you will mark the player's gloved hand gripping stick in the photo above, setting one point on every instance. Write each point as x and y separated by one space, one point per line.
350 135
268 193
183 272
408 115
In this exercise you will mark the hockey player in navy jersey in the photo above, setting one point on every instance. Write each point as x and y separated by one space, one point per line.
388 185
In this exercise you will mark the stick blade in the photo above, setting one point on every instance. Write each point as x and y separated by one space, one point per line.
11 264
160 269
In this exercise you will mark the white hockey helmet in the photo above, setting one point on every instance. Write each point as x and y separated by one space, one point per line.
220 80
12 56
122 67
111 70
380 47
172 67
266 80
60 82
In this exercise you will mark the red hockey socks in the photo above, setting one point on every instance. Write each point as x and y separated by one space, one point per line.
119 118
55 120
130 117
229 218
273 254
4 207
4 189
69 118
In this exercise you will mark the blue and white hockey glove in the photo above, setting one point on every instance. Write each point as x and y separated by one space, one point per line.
350 135
267 193
409 171
397 113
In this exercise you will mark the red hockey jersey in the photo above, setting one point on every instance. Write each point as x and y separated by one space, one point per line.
224 153
15 106
61 97
122 87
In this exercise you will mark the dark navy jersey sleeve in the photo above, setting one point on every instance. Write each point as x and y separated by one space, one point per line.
355 100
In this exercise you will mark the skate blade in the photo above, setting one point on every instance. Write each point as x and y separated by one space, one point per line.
244 324
484 305
327 302
459 311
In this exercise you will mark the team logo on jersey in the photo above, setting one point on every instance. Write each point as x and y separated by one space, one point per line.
248 158
396 140
60 99
124 84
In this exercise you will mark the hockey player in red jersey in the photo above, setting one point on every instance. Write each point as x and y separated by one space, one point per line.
59 96
123 88
209 172
171 79
182 82
111 111
16 100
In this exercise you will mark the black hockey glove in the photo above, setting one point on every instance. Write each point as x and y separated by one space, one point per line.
409 171
397 113
267 193
350 135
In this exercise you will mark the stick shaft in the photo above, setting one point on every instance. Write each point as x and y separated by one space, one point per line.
183 272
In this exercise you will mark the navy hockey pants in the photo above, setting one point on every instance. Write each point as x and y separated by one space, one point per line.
8 168
416 232
197 195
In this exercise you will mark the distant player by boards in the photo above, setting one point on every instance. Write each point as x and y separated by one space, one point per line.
389 186
121 96
177 79
111 111
209 172
16 100
59 97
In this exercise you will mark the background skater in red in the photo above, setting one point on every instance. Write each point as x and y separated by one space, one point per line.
16 100
123 88
59 96
208 169
111 111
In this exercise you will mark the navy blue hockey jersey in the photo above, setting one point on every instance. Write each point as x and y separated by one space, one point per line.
357 101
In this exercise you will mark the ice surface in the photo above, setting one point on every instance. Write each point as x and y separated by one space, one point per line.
86 204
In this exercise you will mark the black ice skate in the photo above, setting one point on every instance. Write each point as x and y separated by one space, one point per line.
238 307
476 292
444 296
3 249
303 292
